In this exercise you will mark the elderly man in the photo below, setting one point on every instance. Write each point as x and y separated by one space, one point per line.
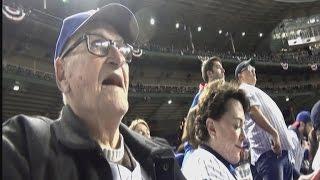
265 128
88 141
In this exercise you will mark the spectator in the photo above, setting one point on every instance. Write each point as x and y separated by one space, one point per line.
88 141
140 126
265 128
219 122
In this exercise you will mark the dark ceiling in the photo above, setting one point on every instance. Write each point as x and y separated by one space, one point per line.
232 16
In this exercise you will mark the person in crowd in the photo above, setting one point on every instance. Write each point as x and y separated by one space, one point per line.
265 128
88 141
188 139
302 126
211 69
315 119
219 129
140 126
299 132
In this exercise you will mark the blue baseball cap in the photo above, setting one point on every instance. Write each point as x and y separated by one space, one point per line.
303 116
115 14
315 116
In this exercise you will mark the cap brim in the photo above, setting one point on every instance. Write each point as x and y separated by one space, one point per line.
120 17
243 65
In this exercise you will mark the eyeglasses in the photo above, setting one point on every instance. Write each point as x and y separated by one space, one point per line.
100 46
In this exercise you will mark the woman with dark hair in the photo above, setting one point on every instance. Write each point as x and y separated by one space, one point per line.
219 129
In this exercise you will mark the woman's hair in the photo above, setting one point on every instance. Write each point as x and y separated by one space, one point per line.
135 122
213 104
190 135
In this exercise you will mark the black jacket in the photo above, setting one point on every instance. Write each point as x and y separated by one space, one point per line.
39 148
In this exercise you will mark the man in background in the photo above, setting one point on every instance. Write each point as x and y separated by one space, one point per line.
211 69
265 128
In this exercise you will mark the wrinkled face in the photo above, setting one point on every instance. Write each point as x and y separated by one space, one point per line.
142 129
229 134
217 71
248 75
98 85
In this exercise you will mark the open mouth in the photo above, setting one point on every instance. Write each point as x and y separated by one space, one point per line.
113 80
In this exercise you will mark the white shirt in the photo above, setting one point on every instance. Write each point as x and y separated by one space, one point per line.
297 153
120 172
260 140
202 164
316 160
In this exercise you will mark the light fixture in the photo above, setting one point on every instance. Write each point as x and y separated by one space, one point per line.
220 31
260 34
287 98
170 101
243 33
199 28
177 25
152 21
16 86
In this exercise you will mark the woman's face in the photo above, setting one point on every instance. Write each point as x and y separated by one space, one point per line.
142 129
228 136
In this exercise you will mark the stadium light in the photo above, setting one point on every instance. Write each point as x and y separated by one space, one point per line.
260 34
177 25
199 28
220 31
16 87
243 33
170 101
287 98
152 21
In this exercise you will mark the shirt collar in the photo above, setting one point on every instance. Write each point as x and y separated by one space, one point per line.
71 131
217 155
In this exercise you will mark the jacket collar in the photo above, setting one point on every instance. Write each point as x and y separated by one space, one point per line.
71 132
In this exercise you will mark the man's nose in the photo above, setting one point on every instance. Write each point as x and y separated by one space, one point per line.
242 134
116 59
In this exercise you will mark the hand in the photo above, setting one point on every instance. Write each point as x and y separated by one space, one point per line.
276 146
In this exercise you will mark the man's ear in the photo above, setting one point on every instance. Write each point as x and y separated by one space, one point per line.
61 80
211 127
240 75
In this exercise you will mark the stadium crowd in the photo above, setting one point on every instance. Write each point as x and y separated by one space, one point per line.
301 57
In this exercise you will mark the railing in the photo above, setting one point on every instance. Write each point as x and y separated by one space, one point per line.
289 58
272 87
